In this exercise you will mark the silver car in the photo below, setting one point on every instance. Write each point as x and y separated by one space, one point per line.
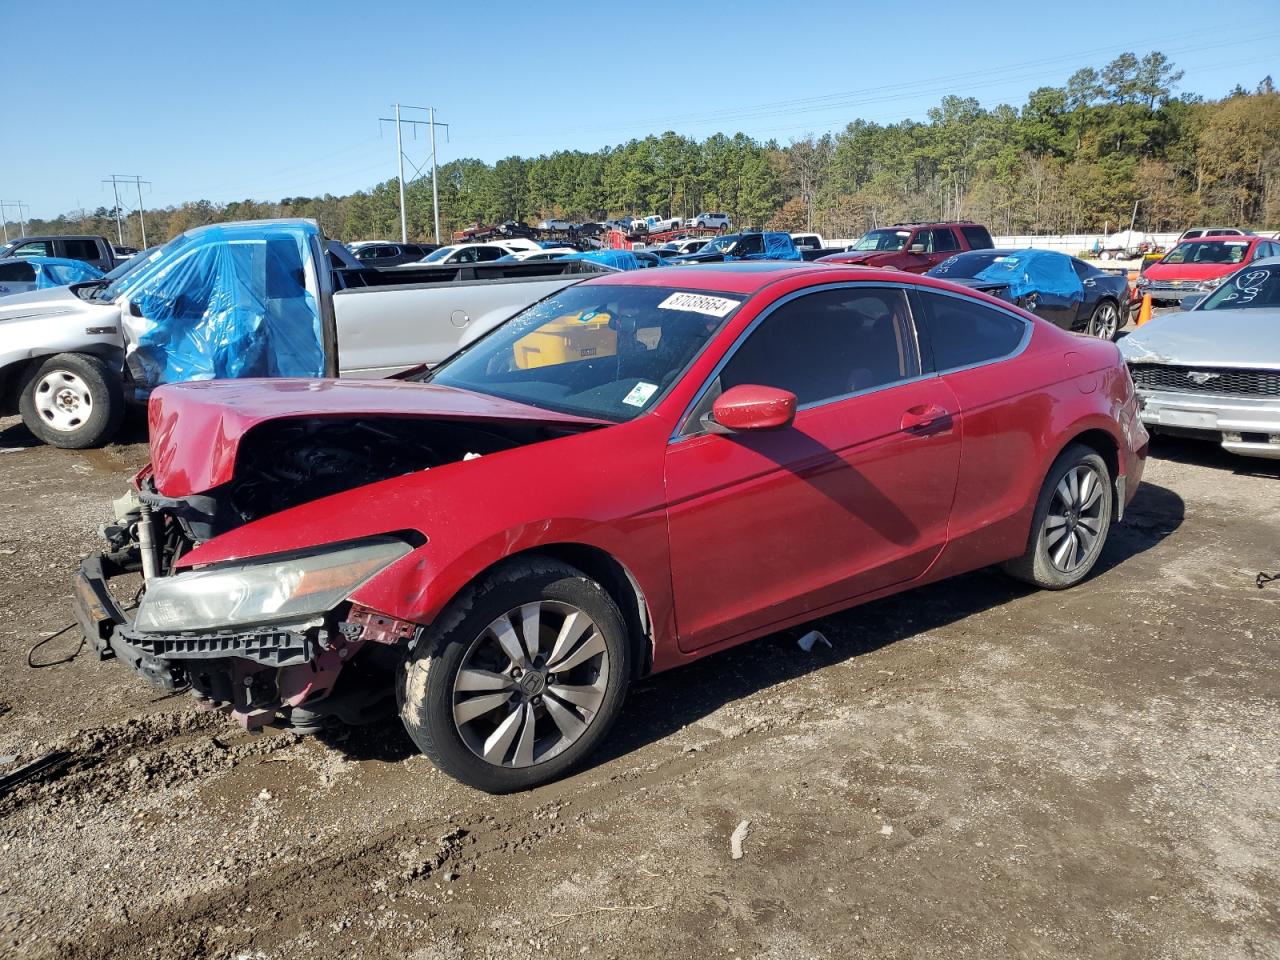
1213 370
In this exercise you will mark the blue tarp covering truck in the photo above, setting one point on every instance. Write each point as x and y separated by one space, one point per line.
268 298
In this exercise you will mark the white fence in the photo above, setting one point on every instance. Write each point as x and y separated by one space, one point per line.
1073 243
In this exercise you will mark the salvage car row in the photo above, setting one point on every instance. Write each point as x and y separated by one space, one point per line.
348 542
352 543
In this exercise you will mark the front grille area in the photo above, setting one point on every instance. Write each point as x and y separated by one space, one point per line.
1217 380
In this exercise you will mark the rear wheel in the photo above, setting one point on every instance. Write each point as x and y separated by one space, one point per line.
521 680
72 400
1071 523
1105 322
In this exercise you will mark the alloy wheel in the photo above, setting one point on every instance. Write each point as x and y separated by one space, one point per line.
531 684
63 400
1106 321
1073 527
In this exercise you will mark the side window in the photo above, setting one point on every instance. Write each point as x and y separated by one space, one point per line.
963 332
944 240
485 254
829 344
34 248
81 249
467 255
1082 269
924 239
977 237
16 272
754 243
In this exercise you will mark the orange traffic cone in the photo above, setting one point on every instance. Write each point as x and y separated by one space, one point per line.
1144 312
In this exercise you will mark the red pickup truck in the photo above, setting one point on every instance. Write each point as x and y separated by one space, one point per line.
914 247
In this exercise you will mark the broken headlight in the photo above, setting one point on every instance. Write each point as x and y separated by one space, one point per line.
284 589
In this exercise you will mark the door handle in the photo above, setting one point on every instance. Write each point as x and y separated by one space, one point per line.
927 416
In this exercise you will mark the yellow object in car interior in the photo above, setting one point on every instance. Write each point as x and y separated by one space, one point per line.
567 339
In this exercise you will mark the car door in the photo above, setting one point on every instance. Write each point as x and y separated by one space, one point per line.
34 248
852 497
977 350
86 250
945 244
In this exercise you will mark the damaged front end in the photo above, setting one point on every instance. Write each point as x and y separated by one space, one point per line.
269 629
269 638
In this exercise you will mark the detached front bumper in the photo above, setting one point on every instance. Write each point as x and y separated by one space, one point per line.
1242 425
262 672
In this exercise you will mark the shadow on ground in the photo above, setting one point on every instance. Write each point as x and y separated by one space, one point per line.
1207 453
132 430
659 706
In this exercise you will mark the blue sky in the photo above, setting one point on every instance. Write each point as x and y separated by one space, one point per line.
230 100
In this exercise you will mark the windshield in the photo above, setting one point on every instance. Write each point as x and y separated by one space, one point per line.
605 351
883 240
965 266
438 255
1250 287
122 277
721 244
1208 252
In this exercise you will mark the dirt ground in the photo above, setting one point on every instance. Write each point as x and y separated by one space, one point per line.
972 770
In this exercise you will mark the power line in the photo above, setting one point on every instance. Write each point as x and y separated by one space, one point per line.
4 217
116 180
430 123
882 93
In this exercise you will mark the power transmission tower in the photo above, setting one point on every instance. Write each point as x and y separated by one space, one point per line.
431 123
115 181
4 217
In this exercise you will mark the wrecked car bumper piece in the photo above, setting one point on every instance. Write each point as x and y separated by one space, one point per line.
263 673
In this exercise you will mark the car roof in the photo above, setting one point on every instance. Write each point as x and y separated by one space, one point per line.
1232 238
748 277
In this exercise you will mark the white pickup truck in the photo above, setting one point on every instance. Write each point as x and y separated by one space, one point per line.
261 298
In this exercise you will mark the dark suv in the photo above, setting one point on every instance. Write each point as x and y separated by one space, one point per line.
914 247
393 254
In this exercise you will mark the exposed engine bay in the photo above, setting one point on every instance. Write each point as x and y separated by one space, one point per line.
284 463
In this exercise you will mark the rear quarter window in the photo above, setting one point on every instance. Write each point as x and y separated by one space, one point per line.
963 332
81 249
977 237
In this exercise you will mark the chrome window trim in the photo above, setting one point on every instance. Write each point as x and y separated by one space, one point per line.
681 433
1028 328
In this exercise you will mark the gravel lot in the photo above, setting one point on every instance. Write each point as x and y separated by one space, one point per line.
973 770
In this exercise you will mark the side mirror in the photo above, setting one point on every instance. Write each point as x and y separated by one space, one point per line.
751 407
134 309
916 248
1192 301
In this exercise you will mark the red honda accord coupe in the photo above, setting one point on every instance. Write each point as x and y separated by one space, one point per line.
636 472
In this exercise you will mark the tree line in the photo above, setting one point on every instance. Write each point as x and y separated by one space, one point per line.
1072 159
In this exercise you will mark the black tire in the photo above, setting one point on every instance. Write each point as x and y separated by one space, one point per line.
1038 565
1096 320
101 399
425 687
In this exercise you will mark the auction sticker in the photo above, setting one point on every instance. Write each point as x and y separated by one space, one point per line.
698 303
640 394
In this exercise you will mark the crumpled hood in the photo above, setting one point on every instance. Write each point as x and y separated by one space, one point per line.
39 303
197 427
1245 338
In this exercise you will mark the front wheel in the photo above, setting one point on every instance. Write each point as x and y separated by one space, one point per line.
1071 522
520 679
1105 322
72 400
